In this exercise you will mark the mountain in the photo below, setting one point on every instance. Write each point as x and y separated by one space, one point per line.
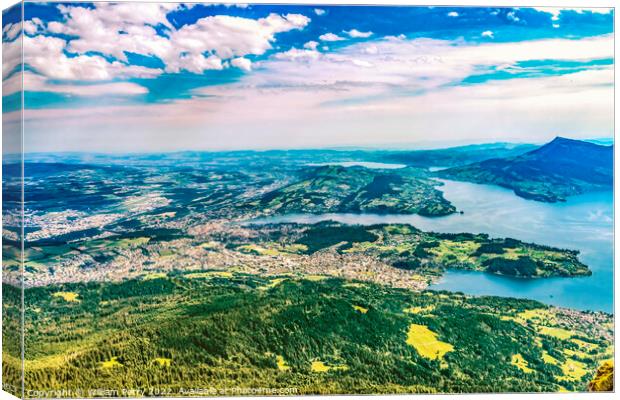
334 188
560 168
456 156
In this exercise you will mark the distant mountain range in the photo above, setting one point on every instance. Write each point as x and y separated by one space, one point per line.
558 169
456 156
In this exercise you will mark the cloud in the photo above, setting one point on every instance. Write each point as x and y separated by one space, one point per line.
37 83
390 68
46 55
298 55
10 31
512 16
520 109
330 37
11 53
226 37
33 26
319 11
453 14
382 89
354 33
242 63
312 45
557 11
113 29
398 92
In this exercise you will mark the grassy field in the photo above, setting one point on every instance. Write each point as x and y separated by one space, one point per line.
425 342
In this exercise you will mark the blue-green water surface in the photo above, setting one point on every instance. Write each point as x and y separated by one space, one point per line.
584 222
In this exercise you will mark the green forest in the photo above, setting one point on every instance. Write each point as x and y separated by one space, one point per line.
164 334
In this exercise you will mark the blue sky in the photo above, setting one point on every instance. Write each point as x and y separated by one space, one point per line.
157 77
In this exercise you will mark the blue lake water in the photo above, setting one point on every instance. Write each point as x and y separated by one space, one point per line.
584 223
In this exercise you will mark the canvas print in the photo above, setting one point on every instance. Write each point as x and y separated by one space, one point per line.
251 199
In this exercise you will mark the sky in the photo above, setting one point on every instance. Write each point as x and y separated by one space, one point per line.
142 77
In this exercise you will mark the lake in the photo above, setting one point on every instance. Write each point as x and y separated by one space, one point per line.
584 223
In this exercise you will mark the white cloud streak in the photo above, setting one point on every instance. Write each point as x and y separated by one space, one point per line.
330 37
354 33
385 91
37 83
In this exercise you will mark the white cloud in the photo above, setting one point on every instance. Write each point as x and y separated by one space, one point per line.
37 83
242 63
371 49
384 68
556 11
236 5
520 109
226 37
399 37
45 54
11 31
11 54
362 63
198 63
402 88
113 88
120 13
330 37
596 10
453 14
354 33
298 55
33 26
319 11
512 16
312 45
488 34
12 84
116 28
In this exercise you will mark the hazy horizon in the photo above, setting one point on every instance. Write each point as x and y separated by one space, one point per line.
603 141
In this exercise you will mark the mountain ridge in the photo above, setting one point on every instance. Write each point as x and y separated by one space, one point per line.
558 169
